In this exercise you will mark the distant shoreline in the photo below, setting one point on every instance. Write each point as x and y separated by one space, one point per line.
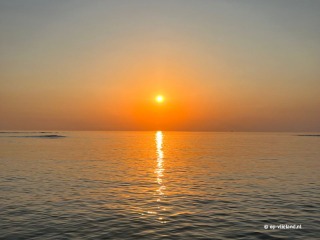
309 135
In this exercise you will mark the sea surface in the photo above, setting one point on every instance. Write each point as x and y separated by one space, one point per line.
159 185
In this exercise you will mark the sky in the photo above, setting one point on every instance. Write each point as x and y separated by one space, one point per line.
221 65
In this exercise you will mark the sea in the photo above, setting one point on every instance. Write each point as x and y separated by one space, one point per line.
159 185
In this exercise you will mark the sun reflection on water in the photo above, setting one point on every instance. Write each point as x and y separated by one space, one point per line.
159 172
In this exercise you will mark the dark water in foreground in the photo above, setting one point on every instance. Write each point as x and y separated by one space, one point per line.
164 185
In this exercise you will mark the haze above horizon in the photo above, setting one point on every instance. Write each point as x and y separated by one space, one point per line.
211 65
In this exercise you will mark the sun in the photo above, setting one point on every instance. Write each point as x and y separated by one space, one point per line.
159 98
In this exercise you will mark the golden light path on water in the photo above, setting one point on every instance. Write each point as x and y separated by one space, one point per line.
159 170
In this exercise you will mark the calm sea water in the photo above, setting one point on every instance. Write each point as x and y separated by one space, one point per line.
159 185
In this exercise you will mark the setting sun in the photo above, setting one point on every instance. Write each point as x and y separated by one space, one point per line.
159 99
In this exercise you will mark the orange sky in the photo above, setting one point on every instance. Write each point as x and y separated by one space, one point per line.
221 65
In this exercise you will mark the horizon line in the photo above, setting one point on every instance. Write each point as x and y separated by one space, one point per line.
156 130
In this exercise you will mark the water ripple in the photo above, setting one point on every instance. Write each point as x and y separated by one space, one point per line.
159 186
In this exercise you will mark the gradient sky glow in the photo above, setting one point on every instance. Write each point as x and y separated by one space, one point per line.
241 65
